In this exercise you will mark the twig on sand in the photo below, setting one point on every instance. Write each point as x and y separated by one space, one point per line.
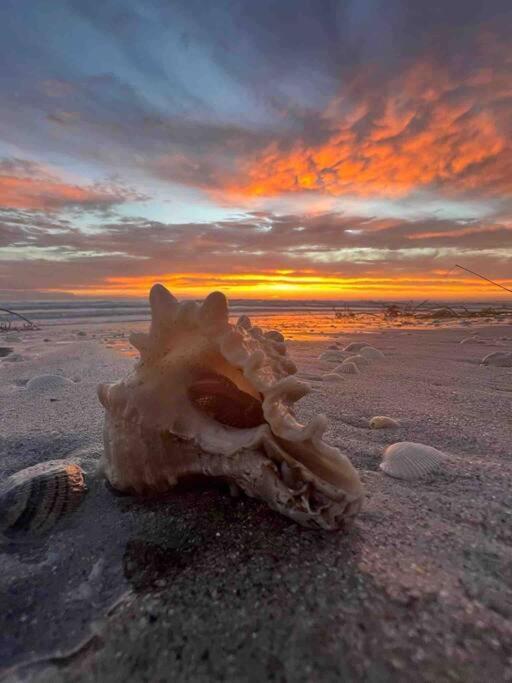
484 278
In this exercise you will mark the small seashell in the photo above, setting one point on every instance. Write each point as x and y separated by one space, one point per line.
383 422
371 353
33 500
48 382
223 401
348 368
499 359
355 346
409 460
332 377
357 359
14 358
474 339
332 356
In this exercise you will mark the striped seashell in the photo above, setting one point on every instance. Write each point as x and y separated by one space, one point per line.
348 368
355 346
409 460
357 359
500 359
222 400
332 377
33 500
48 383
383 422
371 353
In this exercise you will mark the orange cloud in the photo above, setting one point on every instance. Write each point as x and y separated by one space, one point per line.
26 185
426 129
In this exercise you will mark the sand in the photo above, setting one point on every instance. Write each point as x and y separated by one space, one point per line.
201 586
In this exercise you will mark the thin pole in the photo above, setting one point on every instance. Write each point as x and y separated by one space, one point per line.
484 278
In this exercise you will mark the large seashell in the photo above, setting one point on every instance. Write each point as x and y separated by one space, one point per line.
409 460
214 399
33 500
383 422
499 359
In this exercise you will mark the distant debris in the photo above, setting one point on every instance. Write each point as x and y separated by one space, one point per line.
10 320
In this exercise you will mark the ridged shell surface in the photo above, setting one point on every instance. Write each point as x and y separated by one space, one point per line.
409 460
355 346
371 353
499 359
33 500
348 368
359 360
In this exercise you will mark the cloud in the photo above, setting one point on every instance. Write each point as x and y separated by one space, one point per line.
27 185
428 128
295 254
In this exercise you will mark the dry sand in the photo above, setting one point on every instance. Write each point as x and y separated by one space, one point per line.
199 586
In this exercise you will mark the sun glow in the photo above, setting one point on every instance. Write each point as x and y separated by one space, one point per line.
299 286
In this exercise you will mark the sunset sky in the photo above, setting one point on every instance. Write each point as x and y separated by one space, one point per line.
268 148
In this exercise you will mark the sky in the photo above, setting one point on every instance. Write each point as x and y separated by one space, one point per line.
270 149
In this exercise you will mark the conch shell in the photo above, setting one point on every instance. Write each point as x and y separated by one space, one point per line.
215 399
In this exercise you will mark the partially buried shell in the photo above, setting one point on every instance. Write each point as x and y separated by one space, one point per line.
35 499
408 460
383 422
222 400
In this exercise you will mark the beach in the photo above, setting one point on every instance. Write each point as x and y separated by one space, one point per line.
197 585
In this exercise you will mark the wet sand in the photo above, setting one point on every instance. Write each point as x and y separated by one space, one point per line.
200 586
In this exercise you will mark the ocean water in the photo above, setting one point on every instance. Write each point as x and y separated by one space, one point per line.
296 319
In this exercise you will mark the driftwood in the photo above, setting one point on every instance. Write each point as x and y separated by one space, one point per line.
10 323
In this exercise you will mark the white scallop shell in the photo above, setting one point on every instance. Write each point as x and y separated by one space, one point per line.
357 359
499 359
332 377
33 500
409 460
347 368
371 353
48 383
474 339
332 356
355 346
383 422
